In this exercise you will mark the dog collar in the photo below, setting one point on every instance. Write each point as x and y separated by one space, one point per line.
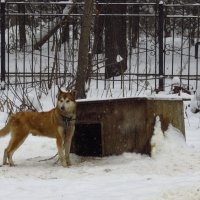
67 119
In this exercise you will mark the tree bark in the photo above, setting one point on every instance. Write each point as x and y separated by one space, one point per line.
115 41
98 30
82 70
134 23
22 31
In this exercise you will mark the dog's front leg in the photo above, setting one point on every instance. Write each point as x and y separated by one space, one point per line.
68 141
62 158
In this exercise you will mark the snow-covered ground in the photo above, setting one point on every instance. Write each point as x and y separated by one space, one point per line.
172 173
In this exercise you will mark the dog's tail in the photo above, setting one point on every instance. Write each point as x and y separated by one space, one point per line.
5 131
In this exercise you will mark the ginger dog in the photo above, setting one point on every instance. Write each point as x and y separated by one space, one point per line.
58 123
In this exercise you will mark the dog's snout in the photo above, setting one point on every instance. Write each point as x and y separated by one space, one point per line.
62 108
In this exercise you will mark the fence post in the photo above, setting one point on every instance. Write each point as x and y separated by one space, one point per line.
2 44
160 41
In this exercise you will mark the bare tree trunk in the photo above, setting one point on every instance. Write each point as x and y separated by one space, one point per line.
22 31
134 23
115 41
98 31
82 69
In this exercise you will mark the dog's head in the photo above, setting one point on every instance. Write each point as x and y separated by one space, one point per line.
66 102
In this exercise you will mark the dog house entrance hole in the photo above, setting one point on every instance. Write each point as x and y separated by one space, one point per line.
87 139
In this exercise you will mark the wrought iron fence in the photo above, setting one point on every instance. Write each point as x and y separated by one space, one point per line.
131 44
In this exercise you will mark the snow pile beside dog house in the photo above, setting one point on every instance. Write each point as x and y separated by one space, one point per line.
195 101
113 126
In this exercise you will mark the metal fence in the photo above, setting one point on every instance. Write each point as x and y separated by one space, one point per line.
141 43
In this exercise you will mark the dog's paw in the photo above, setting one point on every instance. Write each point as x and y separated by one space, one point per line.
69 162
64 163
12 165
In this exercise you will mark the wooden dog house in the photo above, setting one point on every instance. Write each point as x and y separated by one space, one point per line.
114 126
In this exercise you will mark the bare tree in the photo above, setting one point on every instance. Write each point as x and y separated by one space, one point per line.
82 70
115 40
22 31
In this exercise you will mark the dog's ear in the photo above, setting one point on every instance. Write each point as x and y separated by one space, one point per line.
74 93
59 92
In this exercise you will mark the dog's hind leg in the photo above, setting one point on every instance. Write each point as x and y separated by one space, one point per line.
5 157
14 144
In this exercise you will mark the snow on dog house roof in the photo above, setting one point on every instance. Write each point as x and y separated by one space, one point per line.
113 126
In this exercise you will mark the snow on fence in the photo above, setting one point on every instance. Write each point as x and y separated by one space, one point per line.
133 45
